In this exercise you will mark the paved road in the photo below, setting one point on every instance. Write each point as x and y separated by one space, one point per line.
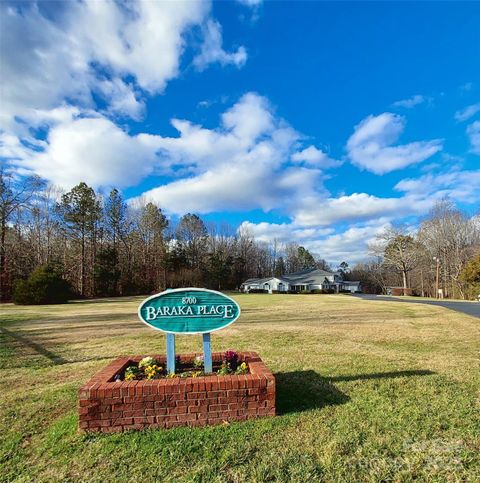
469 308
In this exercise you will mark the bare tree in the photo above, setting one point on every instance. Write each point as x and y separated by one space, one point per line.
15 193
450 237
398 250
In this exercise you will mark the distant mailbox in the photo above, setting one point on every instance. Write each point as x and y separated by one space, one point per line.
189 311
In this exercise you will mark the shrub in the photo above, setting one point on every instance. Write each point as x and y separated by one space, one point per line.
470 276
44 286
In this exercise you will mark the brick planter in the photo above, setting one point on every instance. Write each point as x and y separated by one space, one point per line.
109 406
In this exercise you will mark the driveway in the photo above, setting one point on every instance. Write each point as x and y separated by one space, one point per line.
469 308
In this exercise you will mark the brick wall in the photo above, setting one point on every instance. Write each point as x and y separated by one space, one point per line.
108 406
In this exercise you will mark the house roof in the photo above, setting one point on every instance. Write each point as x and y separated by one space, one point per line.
310 276
313 276
259 280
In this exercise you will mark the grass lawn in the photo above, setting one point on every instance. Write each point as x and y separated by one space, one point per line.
366 390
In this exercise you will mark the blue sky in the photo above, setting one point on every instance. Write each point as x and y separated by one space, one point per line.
316 122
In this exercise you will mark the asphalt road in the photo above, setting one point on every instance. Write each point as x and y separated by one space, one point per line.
469 308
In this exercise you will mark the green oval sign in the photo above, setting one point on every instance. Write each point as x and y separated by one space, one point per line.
189 311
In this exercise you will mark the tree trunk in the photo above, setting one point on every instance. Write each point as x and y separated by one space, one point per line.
82 277
404 276
3 272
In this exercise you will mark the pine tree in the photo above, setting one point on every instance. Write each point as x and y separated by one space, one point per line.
80 212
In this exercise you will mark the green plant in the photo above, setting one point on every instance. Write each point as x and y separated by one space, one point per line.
147 361
242 369
44 286
198 362
470 276
131 373
230 365
224 369
191 374
152 372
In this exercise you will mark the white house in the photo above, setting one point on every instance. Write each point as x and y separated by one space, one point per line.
311 279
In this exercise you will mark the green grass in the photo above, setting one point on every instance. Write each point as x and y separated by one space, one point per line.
366 391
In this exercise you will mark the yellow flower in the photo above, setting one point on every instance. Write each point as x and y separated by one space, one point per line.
129 376
152 371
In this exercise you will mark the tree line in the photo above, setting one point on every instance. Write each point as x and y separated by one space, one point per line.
105 247
440 259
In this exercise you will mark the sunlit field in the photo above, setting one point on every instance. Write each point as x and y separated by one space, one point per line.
365 391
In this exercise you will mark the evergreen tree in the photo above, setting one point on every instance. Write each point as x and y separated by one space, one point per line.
117 226
470 275
152 225
280 268
107 273
343 268
80 212
305 259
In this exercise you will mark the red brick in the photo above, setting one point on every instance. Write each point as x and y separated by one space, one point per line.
172 402
123 421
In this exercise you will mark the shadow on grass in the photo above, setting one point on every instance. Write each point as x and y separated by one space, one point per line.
304 390
109 300
40 349
381 375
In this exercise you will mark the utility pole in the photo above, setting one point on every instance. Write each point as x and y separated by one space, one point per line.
438 275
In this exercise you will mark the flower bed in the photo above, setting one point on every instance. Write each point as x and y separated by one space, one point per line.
150 368
109 404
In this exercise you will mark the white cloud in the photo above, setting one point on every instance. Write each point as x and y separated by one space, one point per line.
123 98
473 131
410 102
369 147
283 232
315 157
420 194
467 113
240 165
350 244
250 3
365 215
456 184
212 51
354 207
93 150
112 50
